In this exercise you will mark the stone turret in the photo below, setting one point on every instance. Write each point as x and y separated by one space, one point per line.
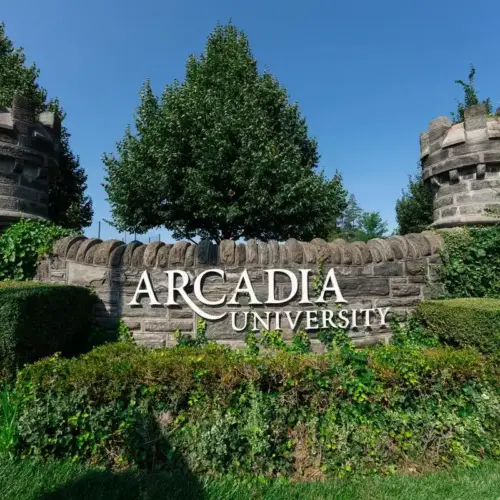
462 164
29 152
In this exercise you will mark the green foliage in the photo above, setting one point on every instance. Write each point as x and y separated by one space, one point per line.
412 333
222 155
273 340
471 262
329 337
414 210
301 343
199 339
372 226
38 320
68 204
23 244
470 98
221 411
8 415
464 322
358 225
124 334
251 342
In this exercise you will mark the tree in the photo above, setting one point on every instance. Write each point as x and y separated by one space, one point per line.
414 210
348 223
68 205
358 225
222 155
372 226
470 98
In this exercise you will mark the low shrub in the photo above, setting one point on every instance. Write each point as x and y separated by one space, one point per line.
223 411
38 320
463 322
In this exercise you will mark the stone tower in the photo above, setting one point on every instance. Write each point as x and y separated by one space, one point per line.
29 151
462 163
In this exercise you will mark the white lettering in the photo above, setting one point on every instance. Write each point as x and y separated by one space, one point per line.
233 321
199 294
263 322
272 285
180 289
354 319
246 289
305 286
293 324
278 320
367 315
334 287
310 319
342 316
327 318
145 291
383 314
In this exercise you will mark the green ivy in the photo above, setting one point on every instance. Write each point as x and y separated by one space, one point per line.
471 262
225 411
199 339
23 244
124 334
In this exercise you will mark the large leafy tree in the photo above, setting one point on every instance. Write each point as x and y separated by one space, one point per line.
222 155
358 225
414 210
68 204
372 226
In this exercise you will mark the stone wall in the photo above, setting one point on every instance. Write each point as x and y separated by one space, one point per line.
462 162
28 158
394 273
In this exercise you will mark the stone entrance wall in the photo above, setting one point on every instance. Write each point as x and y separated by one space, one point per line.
397 272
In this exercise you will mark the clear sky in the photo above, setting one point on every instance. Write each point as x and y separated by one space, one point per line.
368 75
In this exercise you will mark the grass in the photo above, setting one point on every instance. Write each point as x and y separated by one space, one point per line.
29 480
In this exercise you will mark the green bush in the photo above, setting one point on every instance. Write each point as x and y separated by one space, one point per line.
463 322
223 411
22 245
38 320
471 262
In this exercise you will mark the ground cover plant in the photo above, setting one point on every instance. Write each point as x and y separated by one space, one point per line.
212 410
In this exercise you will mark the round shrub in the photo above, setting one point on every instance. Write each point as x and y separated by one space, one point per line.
464 322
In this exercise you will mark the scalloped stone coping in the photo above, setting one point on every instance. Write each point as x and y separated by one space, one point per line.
394 273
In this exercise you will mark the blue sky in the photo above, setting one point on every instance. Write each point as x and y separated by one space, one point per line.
368 75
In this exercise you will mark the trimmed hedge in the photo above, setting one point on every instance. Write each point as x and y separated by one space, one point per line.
464 322
221 411
38 320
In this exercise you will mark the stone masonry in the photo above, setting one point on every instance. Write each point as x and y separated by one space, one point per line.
462 163
394 273
28 157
